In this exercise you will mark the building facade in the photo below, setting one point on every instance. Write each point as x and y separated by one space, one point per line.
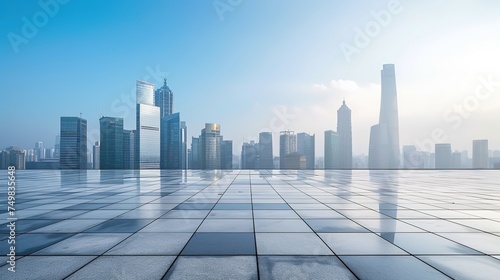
305 146
111 146
332 152
73 137
147 143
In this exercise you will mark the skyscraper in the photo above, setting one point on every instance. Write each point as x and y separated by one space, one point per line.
413 159
73 137
194 160
456 160
128 149
57 147
384 137
171 142
250 155
184 150
288 145
265 150
344 131
226 154
111 148
305 147
443 156
96 151
164 98
210 139
39 151
147 143
332 153
480 157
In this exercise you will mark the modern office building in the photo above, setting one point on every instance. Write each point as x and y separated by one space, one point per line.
266 150
184 148
443 156
250 155
332 150
73 137
128 149
194 159
13 156
111 148
305 146
171 142
288 145
57 146
456 160
384 137
39 151
294 160
344 130
96 152
210 142
147 143
413 159
480 159
226 154
164 98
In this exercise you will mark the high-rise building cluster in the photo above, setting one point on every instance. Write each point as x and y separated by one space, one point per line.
160 141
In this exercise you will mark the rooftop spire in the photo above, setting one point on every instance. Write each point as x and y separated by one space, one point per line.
165 82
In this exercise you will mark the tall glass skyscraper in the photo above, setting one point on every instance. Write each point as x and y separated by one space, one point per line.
164 98
305 146
288 145
344 131
384 150
171 142
194 160
147 151
184 148
111 150
96 155
226 154
480 157
266 150
128 149
211 146
443 156
332 153
73 137
250 155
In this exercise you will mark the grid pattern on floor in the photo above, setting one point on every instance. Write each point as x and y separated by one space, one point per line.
242 224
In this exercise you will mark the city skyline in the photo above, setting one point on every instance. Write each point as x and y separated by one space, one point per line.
251 70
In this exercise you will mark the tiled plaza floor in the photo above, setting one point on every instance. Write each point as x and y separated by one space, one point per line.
245 224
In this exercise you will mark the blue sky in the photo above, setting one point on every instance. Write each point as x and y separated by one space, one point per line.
259 61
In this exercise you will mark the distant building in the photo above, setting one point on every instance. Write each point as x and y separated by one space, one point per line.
305 146
210 139
412 159
39 151
184 148
288 145
147 143
171 142
384 137
111 146
480 154
456 160
13 156
344 131
73 135
250 155
43 164
96 151
294 160
226 156
164 98
443 156
332 153
194 159
128 149
266 150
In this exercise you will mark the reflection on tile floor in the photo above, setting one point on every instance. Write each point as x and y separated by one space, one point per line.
153 224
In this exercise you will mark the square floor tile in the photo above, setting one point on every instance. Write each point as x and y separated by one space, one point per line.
466 267
120 225
281 225
334 225
221 244
226 225
156 244
290 244
359 244
428 244
220 267
173 225
125 267
45 267
84 244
